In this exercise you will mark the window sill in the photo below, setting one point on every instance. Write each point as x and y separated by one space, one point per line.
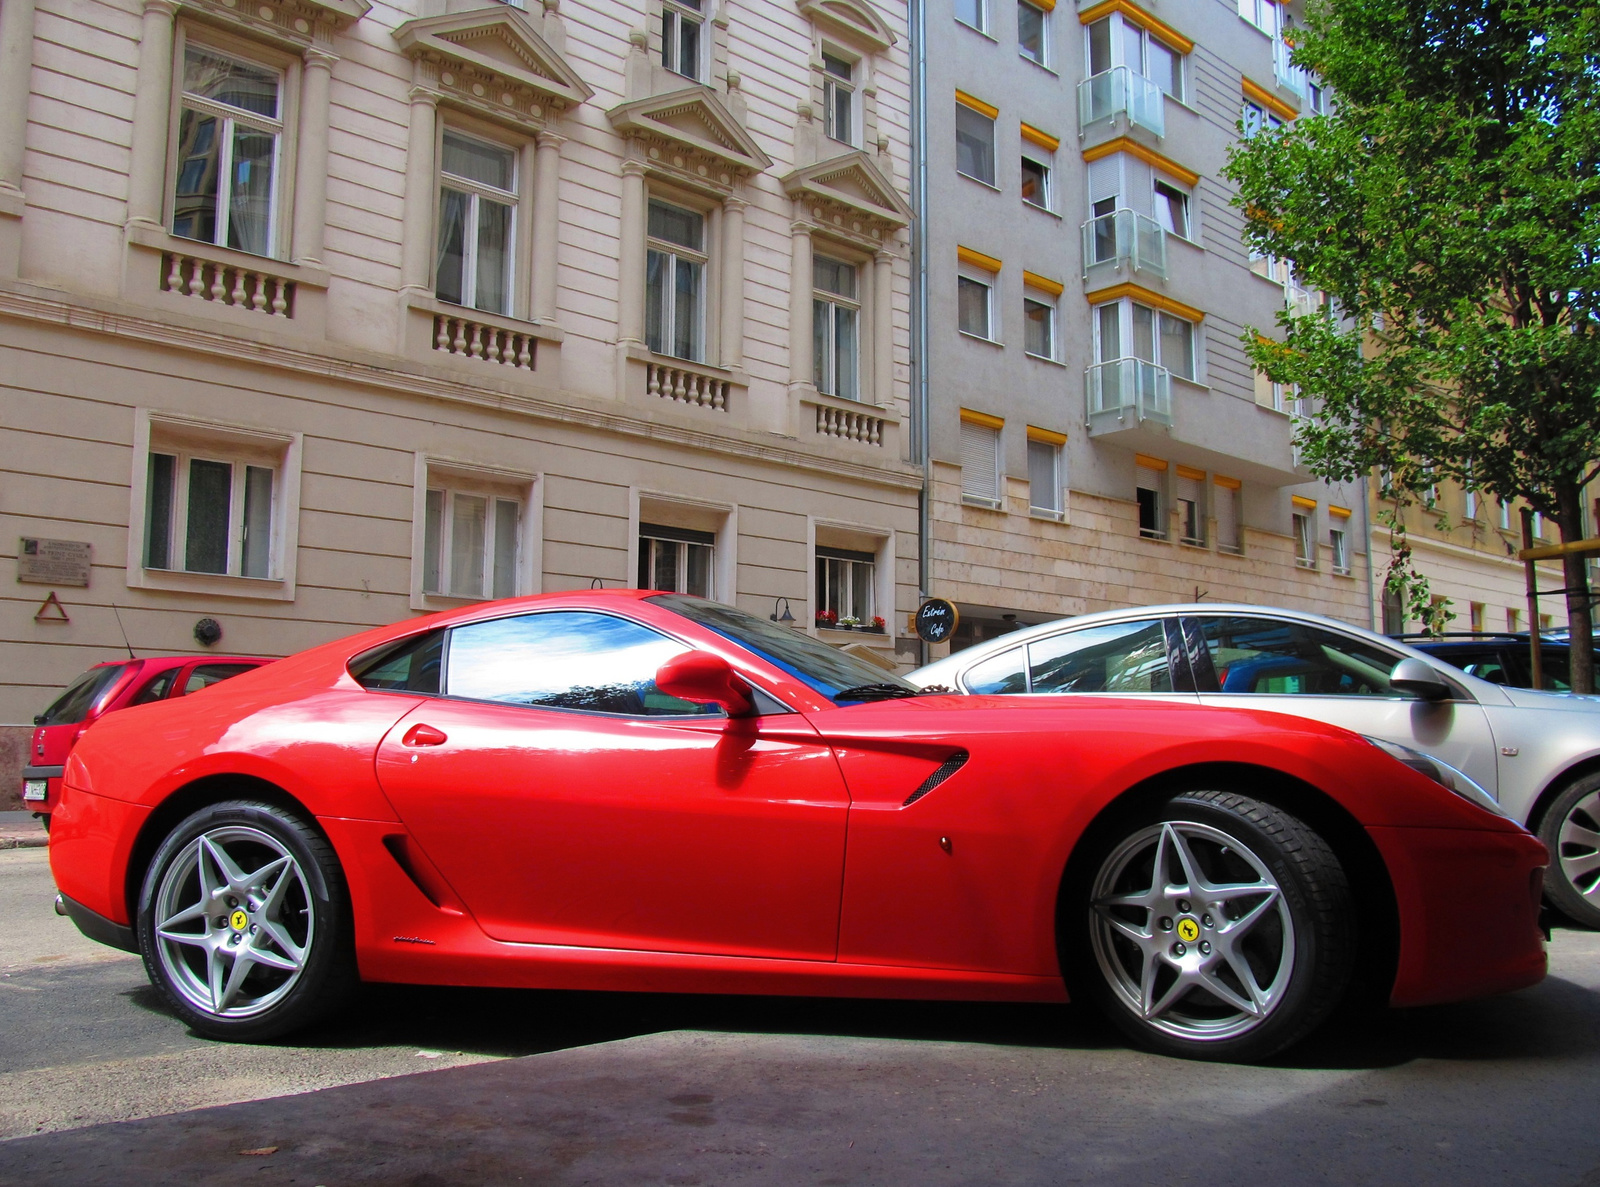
1040 358
988 185
983 33
222 585
1152 534
1199 545
1309 566
982 504
1045 66
1046 514
439 601
428 303
1343 572
839 638
1230 549
967 334
1041 209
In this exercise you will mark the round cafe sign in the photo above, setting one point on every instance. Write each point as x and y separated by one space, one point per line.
936 620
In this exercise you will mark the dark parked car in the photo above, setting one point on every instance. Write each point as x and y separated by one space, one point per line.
115 684
1501 658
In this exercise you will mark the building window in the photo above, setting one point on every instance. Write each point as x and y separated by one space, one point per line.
1033 32
835 327
972 303
1149 334
1225 506
676 560
1513 620
1470 503
1172 210
974 144
1190 500
845 584
1263 14
1477 613
210 515
974 13
675 282
980 461
469 544
1257 118
1039 327
681 22
1339 548
1316 97
1505 515
1113 41
477 223
1147 484
1304 556
1045 484
1394 615
838 98
230 138
1035 183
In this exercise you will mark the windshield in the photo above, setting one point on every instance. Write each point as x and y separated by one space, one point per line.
73 705
824 668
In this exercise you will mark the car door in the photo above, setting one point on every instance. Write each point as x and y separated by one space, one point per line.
1140 657
1288 666
568 801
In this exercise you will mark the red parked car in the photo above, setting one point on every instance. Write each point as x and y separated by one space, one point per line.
104 688
624 790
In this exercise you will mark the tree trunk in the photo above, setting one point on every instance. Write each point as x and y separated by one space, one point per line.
1575 568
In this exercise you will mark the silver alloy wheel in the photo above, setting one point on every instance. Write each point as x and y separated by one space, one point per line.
1580 847
233 921
1192 932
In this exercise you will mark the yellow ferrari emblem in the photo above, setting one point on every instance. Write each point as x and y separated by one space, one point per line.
239 921
1188 930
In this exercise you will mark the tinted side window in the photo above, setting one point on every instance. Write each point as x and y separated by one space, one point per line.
565 660
411 666
73 705
1554 663
1117 657
156 688
1003 673
205 675
1265 655
1486 663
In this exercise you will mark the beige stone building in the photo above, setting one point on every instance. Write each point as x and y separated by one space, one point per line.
315 314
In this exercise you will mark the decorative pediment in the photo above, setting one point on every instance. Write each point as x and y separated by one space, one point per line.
493 61
692 135
852 21
849 195
297 24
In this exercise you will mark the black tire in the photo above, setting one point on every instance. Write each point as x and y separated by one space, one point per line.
1295 937
1574 813
297 913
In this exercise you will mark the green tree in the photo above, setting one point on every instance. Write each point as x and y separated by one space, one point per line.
1449 204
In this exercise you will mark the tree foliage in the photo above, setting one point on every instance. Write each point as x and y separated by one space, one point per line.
1449 204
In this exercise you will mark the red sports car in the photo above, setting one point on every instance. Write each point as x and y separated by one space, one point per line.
628 790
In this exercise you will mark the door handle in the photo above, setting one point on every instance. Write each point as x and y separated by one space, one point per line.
423 735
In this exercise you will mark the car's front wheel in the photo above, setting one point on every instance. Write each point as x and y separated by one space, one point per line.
1570 830
1215 926
244 922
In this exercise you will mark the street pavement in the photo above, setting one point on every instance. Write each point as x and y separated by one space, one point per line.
426 1087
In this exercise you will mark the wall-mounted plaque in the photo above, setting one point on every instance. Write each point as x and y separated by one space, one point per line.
53 562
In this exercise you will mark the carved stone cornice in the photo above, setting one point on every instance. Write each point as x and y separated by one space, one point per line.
852 21
691 137
296 24
850 198
492 62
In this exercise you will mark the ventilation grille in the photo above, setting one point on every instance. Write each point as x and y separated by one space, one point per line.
949 767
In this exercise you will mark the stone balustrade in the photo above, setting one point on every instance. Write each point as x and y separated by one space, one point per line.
849 425
250 289
682 385
467 337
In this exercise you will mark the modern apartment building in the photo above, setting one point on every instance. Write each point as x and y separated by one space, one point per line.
1098 437
315 314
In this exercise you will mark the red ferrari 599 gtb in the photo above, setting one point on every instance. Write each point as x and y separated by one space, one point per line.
627 790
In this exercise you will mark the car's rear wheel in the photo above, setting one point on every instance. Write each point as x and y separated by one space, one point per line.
244 922
1570 830
1214 926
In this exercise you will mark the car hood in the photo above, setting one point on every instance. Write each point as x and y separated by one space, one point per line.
1573 702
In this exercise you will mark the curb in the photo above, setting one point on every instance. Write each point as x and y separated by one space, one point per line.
24 838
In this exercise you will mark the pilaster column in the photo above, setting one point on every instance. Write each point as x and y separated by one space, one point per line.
16 80
311 161
883 328
801 363
421 187
152 96
546 225
733 282
631 257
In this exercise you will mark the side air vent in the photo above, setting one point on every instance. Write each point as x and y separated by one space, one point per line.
949 767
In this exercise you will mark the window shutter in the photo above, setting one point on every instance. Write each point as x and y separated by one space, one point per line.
1227 506
980 461
1044 475
1105 178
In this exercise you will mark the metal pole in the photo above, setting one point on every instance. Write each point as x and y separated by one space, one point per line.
921 436
1535 642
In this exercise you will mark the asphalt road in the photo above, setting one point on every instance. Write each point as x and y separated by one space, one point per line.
98 1084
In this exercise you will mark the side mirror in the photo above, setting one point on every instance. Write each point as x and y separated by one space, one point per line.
704 678
1419 679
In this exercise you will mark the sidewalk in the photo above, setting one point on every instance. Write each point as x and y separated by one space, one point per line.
21 830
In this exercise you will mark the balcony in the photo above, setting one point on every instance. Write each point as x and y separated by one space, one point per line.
1125 239
1125 393
1288 76
1117 91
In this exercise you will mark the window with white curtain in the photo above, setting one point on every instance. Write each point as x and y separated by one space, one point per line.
836 327
469 543
974 13
477 223
1127 329
980 462
1116 41
1039 326
974 144
675 268
676 560
1033 32
1045 482
974 307
838 98
230 141
682 52
206 512
845 579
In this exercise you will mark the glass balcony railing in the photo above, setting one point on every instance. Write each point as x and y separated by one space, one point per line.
1125 236
1290 77
1123 386
1119 89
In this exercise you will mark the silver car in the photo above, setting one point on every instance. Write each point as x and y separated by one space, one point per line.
1536 753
